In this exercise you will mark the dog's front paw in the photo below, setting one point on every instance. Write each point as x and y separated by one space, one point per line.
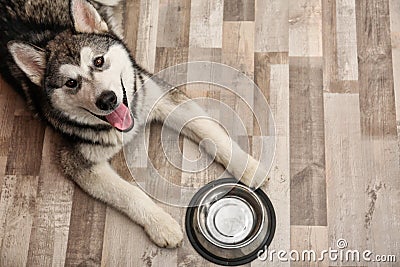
255 174
165 231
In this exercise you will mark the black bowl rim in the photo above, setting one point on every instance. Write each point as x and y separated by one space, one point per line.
217 259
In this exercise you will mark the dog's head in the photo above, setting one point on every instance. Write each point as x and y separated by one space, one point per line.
87 74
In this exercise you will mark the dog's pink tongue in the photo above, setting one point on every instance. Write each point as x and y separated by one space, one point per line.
120 118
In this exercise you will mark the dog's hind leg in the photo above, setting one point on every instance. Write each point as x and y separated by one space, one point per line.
198 126
102 182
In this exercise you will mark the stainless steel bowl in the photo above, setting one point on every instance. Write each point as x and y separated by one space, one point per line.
228 223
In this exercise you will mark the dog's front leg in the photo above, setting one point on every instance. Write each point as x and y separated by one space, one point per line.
176 110
101 182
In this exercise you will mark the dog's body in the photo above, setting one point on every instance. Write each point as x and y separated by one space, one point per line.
77 74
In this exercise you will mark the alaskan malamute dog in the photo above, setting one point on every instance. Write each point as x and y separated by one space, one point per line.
68 60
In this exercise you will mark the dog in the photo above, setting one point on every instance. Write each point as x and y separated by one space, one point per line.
70 63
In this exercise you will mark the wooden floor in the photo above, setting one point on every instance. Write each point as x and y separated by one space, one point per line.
331 72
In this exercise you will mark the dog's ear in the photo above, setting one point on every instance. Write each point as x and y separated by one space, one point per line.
86 18
30 59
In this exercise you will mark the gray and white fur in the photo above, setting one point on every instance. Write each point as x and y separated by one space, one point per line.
68 60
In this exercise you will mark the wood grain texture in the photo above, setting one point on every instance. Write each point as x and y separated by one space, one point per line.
262 76
271 26
85 239
7 107
50 227
206 23
346 40
330 72
377 102
147 34
173 23
306 238
27 135
239 10
238 46
332 81
381 169
238 52
17 204
278 185
305 28
329 42
395 38
131 24
359 183
121 236
307 162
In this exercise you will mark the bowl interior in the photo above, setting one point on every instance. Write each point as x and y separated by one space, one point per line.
230 216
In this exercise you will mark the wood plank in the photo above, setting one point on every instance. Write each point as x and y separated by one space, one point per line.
173 23
305 28
131 24
172 174
49 236
262 64
346 35
85 239
329 42
238 46
187 256
271 26
238 52
145 54
17 203
206 24
262 73
170 56
362 178
3 162
278 186
27 135
380 174
377 102
343 87
395 35
167 57
120 233
332 83
306 238
279 99
7 107
307 160
378 121
166 158
196 173
205 54
345 183
239 10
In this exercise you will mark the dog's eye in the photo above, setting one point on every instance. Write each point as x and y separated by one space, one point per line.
71 83
98 62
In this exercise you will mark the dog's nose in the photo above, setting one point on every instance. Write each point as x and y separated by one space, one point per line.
107 100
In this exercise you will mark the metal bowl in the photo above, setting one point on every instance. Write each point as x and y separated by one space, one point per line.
228 223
